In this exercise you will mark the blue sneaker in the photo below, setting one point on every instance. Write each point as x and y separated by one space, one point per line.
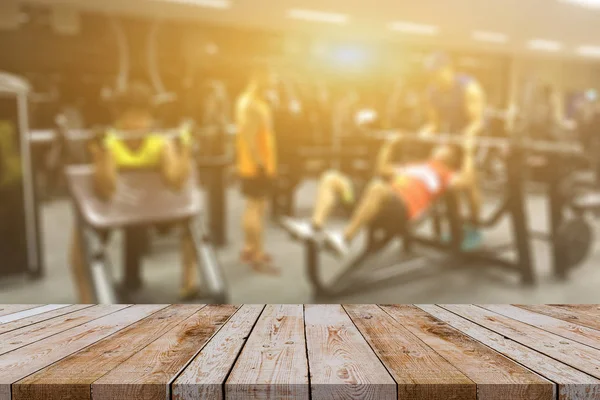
472 241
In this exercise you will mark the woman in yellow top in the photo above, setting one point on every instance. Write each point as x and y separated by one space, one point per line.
151 151
257 166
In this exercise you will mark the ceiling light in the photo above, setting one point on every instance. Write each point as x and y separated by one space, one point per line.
588 51
490 37
317 16
544 45
412 27
203 3
583 3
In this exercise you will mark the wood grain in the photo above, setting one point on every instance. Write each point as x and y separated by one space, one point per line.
20 363
420 372
572 384
33 333
73 376
273 363
342 364
575 354
148 374
6 309
578 333
572 316
22 322
204 377
32 311
497 377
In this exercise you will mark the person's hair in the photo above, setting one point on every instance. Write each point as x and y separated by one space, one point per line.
137 96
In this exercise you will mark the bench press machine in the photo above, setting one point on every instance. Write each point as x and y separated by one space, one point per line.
141 200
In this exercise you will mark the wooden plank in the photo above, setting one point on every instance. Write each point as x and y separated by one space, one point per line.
590 309
204 377
148 374
572 384
34 319
566 315
573 317
559 327
575 354
33 333
342 364
420 372
20 363
73 376
496 376
6 309
273 363
31 312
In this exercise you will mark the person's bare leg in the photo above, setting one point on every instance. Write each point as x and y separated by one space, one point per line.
249 227
189 275
331 187
263 262
370 205
82 283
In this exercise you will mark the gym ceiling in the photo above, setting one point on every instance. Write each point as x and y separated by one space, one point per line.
557 28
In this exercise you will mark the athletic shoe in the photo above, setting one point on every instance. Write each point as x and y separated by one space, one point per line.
335 242
472 241
299 229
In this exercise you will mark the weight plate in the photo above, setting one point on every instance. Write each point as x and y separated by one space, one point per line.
575 238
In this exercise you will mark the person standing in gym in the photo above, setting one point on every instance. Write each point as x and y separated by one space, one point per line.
456 105
257 165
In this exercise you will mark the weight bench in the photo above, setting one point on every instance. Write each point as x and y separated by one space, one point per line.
140 201
360 275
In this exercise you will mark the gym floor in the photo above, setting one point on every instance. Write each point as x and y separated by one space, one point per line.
161 270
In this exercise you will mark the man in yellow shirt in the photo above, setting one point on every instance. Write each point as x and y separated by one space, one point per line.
256 165
112 154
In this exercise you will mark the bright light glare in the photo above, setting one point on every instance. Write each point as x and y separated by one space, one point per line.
589 51
317 16
222 4
583 3
412 27
350 56
490 37
544 45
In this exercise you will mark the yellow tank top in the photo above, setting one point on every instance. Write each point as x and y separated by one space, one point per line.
147 156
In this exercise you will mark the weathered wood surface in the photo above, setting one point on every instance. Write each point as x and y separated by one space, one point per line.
7 309
420 372
341 362
572 384
73 376
190 352
205 375
273 363
569 352
496 376
149 373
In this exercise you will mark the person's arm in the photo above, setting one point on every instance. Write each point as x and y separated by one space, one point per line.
432 124
176 164
385 166
475 99
105 171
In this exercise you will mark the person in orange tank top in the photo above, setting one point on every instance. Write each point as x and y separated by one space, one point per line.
405 193
256 165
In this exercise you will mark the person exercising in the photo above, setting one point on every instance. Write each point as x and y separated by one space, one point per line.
456 105
257 166
111 154
402 194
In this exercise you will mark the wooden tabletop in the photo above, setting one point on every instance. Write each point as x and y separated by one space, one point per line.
295 351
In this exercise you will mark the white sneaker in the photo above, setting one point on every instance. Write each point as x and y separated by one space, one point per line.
299 229
335 242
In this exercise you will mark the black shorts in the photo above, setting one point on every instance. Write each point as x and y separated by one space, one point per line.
257 187
393 216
